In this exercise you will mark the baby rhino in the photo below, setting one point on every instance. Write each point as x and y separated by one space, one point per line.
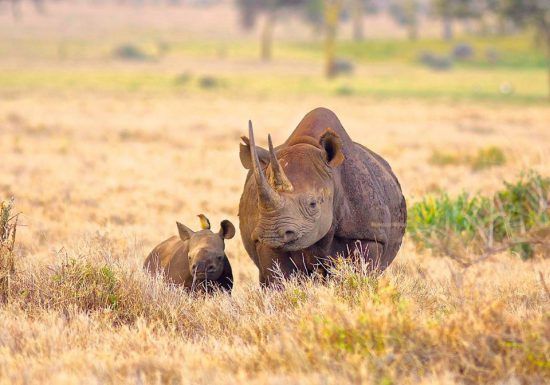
195 260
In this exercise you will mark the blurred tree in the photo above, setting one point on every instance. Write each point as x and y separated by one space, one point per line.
16 9
449 10
332 11
358 13
406 13
314 13
529 14
251 9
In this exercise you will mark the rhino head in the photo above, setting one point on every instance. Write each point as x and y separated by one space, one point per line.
206 249
295 187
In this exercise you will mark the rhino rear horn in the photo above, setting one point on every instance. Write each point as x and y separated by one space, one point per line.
278 177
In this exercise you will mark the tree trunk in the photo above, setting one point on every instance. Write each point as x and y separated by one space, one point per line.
15 10
413 30
358 15
332 16
447 28
267 36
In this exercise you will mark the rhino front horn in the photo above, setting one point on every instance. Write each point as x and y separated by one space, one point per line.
268 196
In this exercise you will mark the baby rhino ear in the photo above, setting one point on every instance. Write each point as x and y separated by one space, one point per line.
227 230
184 231
332 144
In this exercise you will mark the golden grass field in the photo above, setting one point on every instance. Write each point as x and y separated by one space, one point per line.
101 172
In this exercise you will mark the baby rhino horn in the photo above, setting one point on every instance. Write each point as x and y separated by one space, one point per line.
205 223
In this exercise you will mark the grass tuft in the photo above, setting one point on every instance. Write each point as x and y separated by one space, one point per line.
488 157
8 229
484 158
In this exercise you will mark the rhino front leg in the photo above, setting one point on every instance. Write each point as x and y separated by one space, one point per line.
273 265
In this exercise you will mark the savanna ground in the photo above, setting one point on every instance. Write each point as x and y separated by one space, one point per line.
103 155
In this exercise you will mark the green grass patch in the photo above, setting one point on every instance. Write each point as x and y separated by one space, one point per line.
515 218
387 81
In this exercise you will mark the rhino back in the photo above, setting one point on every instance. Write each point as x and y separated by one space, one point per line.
315 123
373 205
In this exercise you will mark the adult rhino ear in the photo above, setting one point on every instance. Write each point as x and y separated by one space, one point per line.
227 230
332 144
246 159
184 231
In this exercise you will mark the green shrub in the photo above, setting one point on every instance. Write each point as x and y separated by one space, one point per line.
209 82
516 218
89 286
130 52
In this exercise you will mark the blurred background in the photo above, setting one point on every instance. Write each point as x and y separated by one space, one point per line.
443 49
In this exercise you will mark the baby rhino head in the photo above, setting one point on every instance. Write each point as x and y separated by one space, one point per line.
206 248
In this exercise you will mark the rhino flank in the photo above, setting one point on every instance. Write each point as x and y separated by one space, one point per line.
316 196
195 259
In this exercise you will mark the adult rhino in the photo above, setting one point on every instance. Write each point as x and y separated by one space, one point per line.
316 196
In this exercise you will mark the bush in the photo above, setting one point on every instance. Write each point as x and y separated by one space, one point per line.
463 51
436 62
209 82
515 218
130 52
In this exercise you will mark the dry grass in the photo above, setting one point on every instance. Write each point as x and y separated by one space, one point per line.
422 321
104 189
102 174
97 197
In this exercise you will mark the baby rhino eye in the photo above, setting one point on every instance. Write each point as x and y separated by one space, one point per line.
313 204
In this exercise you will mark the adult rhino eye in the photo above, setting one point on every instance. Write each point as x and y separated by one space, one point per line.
313 204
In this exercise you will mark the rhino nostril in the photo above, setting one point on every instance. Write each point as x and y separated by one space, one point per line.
289 235
211 269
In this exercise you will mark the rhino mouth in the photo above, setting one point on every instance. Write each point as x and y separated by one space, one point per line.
279 244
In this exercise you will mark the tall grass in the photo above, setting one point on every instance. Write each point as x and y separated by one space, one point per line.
355 328
8 228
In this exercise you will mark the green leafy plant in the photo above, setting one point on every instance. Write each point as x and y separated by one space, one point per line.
515 218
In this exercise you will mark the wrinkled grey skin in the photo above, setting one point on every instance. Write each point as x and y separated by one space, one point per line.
316 196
